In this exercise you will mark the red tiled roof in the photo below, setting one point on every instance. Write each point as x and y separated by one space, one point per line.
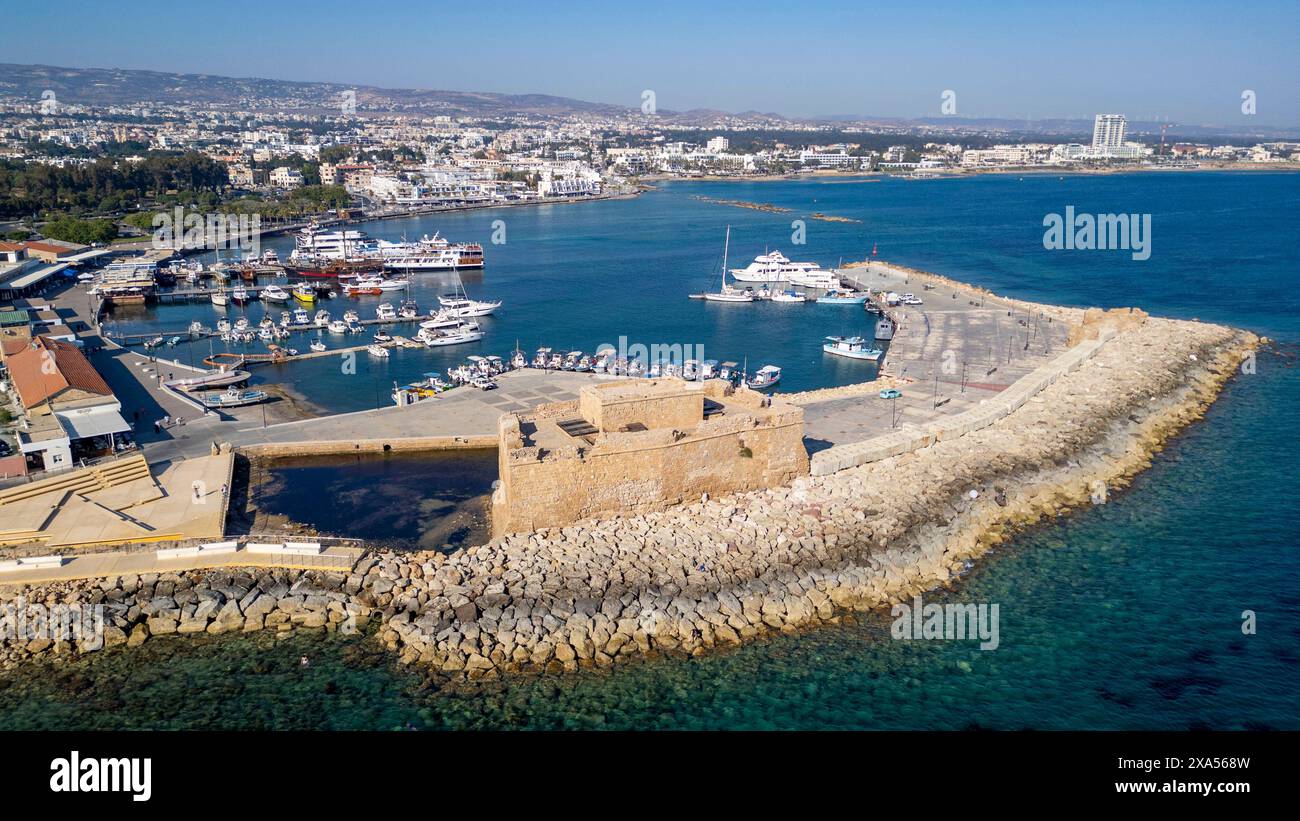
37 381
47 248
10 246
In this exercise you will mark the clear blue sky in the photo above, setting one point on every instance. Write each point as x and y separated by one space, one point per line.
1187 62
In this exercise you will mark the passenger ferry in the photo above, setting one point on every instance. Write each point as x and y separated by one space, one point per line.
773 267
430 254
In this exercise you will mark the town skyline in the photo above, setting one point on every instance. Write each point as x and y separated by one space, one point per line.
1151 66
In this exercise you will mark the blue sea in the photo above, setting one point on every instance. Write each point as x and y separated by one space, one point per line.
1125 615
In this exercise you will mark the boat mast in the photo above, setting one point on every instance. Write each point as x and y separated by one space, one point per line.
726 245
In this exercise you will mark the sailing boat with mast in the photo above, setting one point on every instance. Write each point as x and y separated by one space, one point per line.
727 293
458 302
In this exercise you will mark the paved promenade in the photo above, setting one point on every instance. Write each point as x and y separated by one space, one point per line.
464 411
110 565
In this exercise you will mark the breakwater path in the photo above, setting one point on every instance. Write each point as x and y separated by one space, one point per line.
721 571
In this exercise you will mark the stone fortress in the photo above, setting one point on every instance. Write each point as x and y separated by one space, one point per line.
639 445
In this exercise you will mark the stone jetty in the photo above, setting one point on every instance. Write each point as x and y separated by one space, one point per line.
719 571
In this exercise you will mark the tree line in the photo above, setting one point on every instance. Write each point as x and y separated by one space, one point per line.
107 185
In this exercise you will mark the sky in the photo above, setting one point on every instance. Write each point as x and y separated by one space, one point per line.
1185 62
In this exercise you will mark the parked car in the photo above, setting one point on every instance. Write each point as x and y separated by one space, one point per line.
890 393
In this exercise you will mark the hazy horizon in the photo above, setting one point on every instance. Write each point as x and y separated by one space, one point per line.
1020 61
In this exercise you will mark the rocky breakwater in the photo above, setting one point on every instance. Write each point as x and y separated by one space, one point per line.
89 615
723 570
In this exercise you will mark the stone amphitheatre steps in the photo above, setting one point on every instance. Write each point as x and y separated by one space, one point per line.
26 510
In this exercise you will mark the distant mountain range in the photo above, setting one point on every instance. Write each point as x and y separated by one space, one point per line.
111 86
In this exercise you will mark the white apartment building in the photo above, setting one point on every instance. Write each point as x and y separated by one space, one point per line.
286 177
998 155
717 145
1108 131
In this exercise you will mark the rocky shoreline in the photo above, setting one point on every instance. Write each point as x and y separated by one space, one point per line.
719 571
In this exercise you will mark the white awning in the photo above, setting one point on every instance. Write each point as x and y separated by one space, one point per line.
33 277
85 424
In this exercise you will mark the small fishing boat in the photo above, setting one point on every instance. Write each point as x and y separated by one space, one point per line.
156 342
852 347
884 329
542 357
317 346
274 293
409 310
766 377
788 296
377 350
220 299
214 379
196 328
322 318
304 292
518 360
239 295
843 298
223 326
571 360
234 398
727 372
172 342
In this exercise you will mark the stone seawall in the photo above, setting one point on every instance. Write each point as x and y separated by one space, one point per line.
411 444
720 571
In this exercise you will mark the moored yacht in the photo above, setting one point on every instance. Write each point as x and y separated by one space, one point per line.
773 267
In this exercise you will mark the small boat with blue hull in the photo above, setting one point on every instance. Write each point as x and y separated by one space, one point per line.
234 398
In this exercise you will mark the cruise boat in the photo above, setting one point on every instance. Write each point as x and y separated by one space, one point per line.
773 267
300 316
304 292
239 295
852 347
726 293
766 377
274 293
338 326
430 254
385 312
316 243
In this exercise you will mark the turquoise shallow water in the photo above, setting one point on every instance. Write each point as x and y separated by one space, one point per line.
1125 615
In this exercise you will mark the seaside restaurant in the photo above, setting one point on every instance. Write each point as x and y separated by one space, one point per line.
70 413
